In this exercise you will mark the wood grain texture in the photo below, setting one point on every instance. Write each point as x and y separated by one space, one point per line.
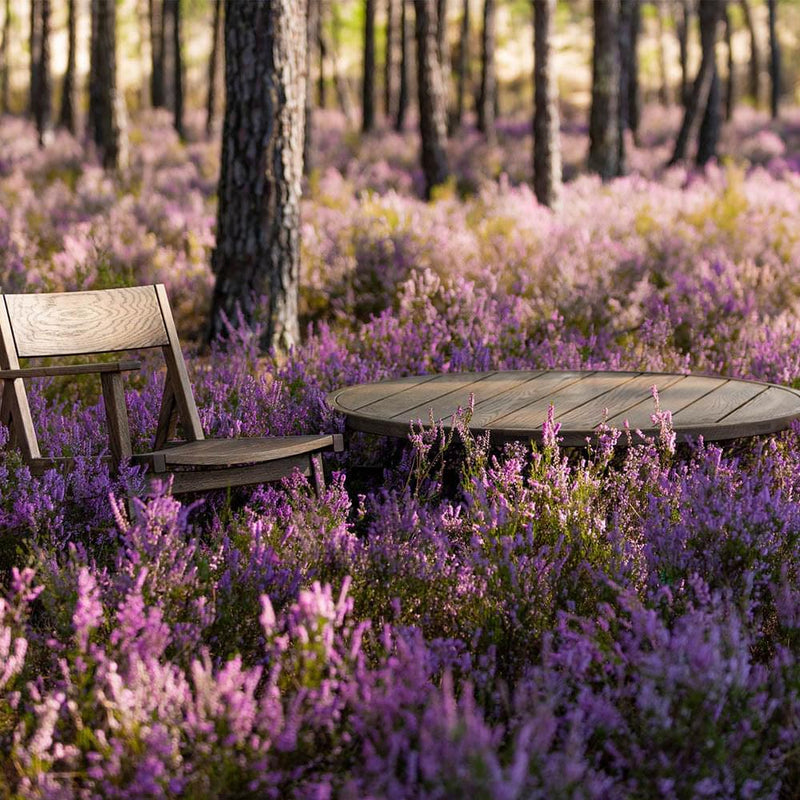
513 405
226 452
78 323
119 435
69 369
237 476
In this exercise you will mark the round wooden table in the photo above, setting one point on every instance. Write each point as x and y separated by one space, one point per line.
513 405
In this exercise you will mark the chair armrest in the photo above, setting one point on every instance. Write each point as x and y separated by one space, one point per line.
68 369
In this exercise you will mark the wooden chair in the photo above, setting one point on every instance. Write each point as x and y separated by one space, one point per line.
137 318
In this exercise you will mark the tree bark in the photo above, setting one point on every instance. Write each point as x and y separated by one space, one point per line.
257 254
106 108
432 112
488 90
463 70
368 83
66 117
663 85
41 86
5 67
623 100
322 88
389 61
704 96
634 98
774 60
405 67
312 35
730 86
443 49
604 130
755 53
157 79
546 135
33 47
172 15
682 28
213 70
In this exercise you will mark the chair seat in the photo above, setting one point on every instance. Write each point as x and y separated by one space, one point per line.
230 452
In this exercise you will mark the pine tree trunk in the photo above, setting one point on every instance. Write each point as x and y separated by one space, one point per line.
604 117
462 78
546 135
158 96
774 60
443 50
312 34
257 254
5 66
730 86
66 117
389 61
213 70
405 67
35 36
172 15
634 98
106 110
755 53
663 85
368 83
682 28
339 82
322 87
432 113
705 91
623 99
43 101
488 90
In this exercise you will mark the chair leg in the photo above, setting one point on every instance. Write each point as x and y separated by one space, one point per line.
319 475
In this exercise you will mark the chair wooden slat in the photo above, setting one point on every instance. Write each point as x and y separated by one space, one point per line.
76 323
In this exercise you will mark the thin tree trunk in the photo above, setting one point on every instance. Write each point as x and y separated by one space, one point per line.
443 49
405 67
755 53
488 90
463 75
432 112
257 254
35 38
604 130
66 117
634 98
730 87
682 28
5 67
157 80
322 89
41 87
106 109
702 95
546 136
663 85
623 99
389 61
213 70
173 8
339 82
774 60
312 35
368 83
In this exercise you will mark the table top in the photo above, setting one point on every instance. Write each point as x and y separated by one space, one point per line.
513 405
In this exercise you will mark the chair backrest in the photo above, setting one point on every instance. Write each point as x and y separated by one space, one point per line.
84 323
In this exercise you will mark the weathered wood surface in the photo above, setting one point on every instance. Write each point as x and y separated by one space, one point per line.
513 405
77 323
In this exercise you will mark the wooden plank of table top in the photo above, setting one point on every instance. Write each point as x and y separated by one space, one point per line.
628 394
674 398
354 398
450 389
564 400
538 385
718 404
447 404
775 403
